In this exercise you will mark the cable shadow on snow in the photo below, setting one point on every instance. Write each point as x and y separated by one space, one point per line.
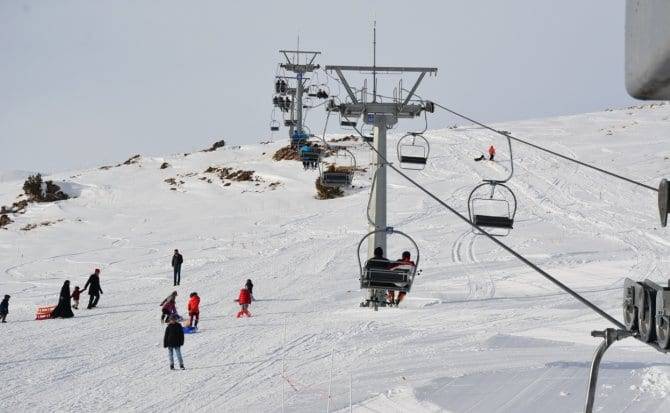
609 365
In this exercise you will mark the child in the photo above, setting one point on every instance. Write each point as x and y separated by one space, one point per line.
4 308
244 299
75 297
173 340
168 307
194 309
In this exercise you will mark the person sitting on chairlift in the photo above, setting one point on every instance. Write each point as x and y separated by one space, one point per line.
379 261
304 150
405 264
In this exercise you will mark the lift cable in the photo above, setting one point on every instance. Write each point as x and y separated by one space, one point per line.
502 245
567 158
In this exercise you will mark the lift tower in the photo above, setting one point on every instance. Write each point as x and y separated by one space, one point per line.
381 116
296 129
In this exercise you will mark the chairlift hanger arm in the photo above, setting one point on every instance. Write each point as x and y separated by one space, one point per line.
382 69
411 92
344 82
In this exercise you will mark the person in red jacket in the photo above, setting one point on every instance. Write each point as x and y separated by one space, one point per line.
244 300
492 152
404 263
194 309
75 297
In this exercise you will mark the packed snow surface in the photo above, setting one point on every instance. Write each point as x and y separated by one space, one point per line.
479 332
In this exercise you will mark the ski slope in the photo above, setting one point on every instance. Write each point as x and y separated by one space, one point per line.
478 333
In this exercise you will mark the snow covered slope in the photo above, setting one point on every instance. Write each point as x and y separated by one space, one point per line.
479 332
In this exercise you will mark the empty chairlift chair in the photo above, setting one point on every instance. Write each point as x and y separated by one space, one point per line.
413 150
341 172
493 209
380 275
274 126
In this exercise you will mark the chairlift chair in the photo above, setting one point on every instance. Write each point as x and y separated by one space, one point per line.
495 209
274 126
413 150
340 173
380 278
299 137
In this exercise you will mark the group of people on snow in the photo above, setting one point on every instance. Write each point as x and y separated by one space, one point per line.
64 307
380 262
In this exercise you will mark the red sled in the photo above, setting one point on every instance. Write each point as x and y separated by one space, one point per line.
44 312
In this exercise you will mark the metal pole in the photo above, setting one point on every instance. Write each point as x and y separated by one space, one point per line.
298 98
350 398
378 204
610 336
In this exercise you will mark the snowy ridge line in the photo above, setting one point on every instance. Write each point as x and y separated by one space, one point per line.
510 136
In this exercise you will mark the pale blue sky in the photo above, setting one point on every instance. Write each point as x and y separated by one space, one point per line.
86 83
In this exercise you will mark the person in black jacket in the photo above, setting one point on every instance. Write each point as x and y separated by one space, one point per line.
250 287
173 340
94 289
4 308
63 309
177 260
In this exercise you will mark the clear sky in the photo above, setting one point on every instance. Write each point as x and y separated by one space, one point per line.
86 83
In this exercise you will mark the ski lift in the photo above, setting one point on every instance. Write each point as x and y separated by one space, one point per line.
281 86
413 150
341 172
274 126
299 137
289 122
382 277
348 123
309 155
495 209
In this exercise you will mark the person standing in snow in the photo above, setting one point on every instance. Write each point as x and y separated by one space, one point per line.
4 308
75 297
173 340
94 289
63 309
194 309
244 299
250 287
177 260
492 152
169 307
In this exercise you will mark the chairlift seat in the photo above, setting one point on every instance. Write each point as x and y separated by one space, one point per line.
395 280
419 160
274 128
348 123
336 178
493 221
289 122
309 156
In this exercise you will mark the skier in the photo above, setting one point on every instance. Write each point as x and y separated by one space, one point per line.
4 308
173 340
63 309
177 260
75 297
244 300
95 290
168 307
250 287
406 264
194 309
492 152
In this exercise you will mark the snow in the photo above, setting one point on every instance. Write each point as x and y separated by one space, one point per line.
478 333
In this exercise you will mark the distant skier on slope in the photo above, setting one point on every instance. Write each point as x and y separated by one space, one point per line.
250 287
193 309
63 309
168 306
173 340
177 261
94 289
492 152
244 299
404 263
4 308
